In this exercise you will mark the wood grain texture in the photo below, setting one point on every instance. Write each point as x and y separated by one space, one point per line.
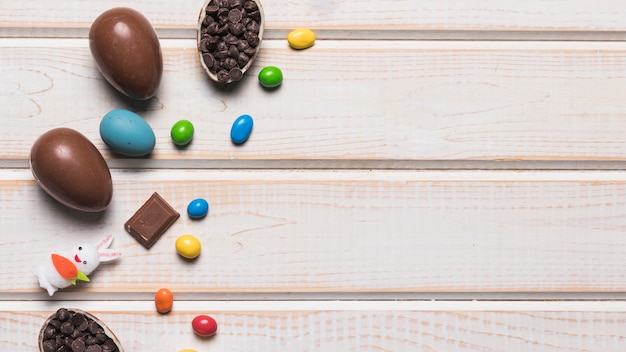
449 101
534 15
294 327
332 231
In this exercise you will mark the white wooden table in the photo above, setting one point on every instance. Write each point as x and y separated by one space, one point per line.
432 175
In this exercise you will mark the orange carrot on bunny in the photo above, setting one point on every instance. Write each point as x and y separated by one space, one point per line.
62 271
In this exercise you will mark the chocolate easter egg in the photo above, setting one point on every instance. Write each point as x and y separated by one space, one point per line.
71 169
127 52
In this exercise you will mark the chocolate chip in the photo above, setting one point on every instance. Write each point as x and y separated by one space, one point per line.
211 9
78 345
213 28
207 21
208 59
235 74
250 6
242 60
223 76
242 45
254 27
235 4
49 346
94 348
237 29
91 340
62 314
221 46
251 38
255 15
234 16
221 55
250 51
230 63
224 29
233 52
222 12
67 328
78 319
231 39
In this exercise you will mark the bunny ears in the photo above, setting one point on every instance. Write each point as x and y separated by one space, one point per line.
106 254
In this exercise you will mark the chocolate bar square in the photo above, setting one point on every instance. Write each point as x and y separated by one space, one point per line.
151 220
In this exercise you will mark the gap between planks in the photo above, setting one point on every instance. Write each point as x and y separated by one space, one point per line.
321 44
247 306
157 163
351 33
349 175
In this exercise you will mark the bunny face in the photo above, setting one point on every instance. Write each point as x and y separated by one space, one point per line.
86 257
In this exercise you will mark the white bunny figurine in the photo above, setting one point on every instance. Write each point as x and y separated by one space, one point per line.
61 271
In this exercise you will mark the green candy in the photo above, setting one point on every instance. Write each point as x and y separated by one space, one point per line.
182 132
270 76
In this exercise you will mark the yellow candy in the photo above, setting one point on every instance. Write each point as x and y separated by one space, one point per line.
301 38
188 246
187 351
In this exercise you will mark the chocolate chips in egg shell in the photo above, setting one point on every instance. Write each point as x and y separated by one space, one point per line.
229 37
78 331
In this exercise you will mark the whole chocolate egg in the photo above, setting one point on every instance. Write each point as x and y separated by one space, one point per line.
71 169
127 52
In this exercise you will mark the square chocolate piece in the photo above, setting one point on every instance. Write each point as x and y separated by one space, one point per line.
151 220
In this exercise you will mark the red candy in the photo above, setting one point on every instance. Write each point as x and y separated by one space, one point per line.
204 325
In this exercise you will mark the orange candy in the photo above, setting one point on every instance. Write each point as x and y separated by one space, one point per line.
163 300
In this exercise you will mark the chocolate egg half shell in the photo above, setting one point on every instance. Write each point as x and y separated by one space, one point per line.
76 328
127 52
229 36
71 169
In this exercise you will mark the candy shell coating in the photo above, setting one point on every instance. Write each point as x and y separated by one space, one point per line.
127 133
241 129
188 246
204 325
270 76
301 38
182 132
197 208
163 300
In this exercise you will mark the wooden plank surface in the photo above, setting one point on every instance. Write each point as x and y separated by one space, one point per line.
330 231
536 110
346 326
441 16
430 176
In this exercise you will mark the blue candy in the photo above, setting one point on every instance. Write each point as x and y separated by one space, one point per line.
198 208
242 127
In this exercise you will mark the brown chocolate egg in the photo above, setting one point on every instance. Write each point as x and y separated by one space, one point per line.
127 52
71 169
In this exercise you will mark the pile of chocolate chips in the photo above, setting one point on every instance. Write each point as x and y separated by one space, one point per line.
73 331
229 37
